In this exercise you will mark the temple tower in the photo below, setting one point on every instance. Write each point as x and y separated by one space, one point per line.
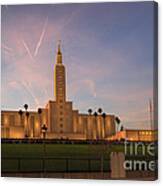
61 110
59 79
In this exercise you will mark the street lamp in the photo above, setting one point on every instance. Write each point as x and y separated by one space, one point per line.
44 130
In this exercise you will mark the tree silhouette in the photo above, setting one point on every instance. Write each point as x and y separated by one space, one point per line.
104 115
26 106
104 127
27 114
90 111
100 110
95 114
117 122
122 128
39 111
20 114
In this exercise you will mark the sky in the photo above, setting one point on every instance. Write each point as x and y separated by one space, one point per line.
107 51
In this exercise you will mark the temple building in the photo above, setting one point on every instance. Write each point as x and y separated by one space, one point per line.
135 135
58 116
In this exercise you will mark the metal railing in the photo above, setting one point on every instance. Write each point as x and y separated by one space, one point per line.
54 164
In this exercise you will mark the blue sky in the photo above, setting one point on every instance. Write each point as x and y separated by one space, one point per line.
107 50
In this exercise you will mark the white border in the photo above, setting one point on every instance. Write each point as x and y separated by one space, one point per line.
63 182
62 1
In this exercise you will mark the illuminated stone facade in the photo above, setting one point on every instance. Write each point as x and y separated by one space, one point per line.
135 135
58 115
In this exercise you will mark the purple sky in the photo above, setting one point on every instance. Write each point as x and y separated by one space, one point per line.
107 50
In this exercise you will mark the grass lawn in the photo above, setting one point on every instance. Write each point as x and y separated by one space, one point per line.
58 150
57 157
30 157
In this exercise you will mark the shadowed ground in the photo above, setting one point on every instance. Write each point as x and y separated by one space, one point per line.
62 160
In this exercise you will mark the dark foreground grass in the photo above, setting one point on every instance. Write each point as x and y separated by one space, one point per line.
55 157
57 150
58 157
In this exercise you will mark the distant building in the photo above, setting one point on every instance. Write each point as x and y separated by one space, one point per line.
58 115
135 135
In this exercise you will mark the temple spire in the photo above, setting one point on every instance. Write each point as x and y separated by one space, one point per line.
59 53
59 47
59 78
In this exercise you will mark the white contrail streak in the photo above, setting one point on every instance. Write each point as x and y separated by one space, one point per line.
28 89
27 49
41 37
11 54
7 48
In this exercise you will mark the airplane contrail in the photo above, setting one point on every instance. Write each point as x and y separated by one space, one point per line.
27 49
6 52
27 87
7 48
41 37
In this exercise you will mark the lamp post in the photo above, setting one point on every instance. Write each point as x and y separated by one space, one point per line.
44 130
